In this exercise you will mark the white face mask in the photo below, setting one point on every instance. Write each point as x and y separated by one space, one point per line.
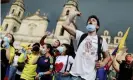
29 51
43 51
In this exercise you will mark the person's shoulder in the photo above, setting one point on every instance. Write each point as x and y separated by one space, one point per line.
123 62
71 58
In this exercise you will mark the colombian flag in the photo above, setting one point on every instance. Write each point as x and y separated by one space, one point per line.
122 43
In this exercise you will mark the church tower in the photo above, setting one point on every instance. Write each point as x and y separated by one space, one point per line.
12 21
118 37
60 33
107 36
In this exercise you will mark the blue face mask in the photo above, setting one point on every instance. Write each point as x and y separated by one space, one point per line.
60 49
6 39
90 28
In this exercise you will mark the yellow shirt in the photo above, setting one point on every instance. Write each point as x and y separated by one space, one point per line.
12 54
29 71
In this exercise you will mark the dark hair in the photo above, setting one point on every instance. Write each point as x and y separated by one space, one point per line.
50 49
69 50
1 43
95 17
128 55
59 42
35 44
36 47
12 41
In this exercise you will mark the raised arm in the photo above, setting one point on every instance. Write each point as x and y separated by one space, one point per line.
115 65
107 57
70 30
69 20
43 38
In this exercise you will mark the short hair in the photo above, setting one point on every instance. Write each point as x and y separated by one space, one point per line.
13 39
36 44
128 55
95 17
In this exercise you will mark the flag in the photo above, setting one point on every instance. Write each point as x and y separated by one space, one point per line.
122 41
115 51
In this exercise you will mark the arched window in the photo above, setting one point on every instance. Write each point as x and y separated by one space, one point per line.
14 29
32 27
107 40
62 32
106 33
117 40
19 13
120 34
6 27
67 12
12 11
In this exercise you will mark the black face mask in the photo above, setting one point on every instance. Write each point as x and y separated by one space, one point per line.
35 48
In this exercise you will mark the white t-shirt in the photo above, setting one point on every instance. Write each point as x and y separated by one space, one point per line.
61 62
86 56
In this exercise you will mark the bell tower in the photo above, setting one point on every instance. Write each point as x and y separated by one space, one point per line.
12 21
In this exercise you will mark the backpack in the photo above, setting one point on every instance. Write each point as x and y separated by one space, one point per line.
100 40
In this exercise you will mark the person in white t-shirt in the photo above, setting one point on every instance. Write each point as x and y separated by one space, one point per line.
85 64
63 62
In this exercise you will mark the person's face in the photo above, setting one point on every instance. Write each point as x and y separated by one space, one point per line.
93 21
56 43
129 58
9 36
64 49
45 48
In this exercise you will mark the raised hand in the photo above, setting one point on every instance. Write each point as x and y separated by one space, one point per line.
48 33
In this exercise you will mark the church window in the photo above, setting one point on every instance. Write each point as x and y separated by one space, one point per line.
62 32
14 29
12 11
19 13
32 27
120 35
107 40
6 27
67 12
117 40
106 34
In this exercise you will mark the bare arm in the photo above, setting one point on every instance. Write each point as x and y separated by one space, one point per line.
115 65
42 39
70 30
47 72
8 54
69 20
107 57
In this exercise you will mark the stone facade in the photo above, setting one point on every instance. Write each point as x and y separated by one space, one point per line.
112 41
30 29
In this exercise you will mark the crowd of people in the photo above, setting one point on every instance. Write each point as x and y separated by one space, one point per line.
56 61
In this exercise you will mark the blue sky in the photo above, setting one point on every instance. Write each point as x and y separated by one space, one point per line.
114 15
